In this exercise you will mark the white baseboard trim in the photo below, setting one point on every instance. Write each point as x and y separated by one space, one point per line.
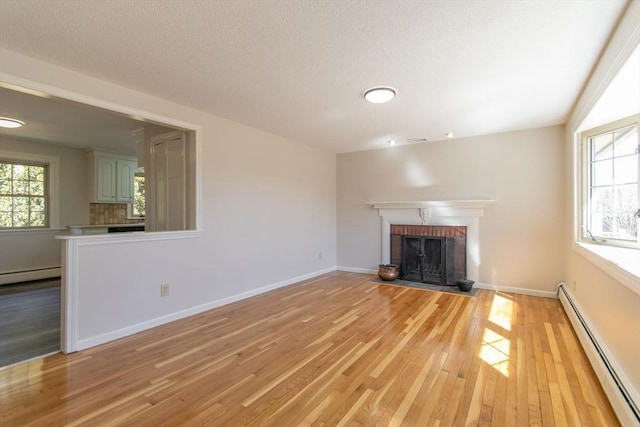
514 290
25 276
133 329
356 270
622 395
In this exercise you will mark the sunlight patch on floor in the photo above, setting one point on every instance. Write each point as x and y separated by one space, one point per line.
495 351
501 311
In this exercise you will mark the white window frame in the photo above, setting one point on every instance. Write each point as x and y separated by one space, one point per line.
53 166
583 234
130 214
622 263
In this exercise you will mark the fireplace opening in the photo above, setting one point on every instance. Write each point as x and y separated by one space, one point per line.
429 254
422 259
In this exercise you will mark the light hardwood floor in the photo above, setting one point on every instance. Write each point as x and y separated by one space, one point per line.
337 350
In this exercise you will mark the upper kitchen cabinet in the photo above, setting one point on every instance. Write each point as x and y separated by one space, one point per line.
112 177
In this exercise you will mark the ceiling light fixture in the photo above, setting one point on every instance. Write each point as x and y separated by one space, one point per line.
379 94
392 142
8 122
449 134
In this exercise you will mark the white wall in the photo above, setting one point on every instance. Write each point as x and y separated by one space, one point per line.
39 249
612 307
520 235
268 207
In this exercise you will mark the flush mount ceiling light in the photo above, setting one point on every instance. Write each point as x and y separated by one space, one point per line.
392 142
379 94
7 122
449 134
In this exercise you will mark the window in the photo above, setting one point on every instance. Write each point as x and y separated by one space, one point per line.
612 166
137 208
23 195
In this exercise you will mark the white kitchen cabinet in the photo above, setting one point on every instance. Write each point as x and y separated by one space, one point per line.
111 177
125 172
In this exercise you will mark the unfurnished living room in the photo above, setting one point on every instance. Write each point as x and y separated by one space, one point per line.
319 213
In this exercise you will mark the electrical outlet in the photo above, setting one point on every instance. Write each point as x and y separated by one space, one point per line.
164 290
319 255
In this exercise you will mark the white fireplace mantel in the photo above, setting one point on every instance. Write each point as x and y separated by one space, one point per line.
467 204
435 212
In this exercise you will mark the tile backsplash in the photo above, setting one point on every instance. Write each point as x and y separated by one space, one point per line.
110 213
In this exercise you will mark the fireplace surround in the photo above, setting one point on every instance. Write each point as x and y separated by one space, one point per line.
443 212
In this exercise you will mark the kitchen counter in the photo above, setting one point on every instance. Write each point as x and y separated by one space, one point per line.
105 228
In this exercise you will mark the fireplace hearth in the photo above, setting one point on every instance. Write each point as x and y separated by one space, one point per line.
429 254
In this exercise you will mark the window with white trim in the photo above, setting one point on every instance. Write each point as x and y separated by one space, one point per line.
24 195
611 189
138 205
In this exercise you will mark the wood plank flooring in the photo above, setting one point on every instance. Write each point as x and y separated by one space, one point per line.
337 350
29 320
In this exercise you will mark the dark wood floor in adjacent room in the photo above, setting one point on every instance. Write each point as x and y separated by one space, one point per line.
29 320
336 350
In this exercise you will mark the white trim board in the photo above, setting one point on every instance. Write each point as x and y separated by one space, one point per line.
515 290
356 270
26 276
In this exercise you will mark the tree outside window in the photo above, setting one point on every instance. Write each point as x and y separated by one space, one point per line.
23 195
138 208
613 176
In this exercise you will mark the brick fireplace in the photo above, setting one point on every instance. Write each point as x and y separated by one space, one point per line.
455 213
430 253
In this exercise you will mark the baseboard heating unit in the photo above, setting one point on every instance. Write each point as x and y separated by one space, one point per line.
28 275
622 395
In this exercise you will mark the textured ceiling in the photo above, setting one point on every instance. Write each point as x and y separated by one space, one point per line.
298 68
